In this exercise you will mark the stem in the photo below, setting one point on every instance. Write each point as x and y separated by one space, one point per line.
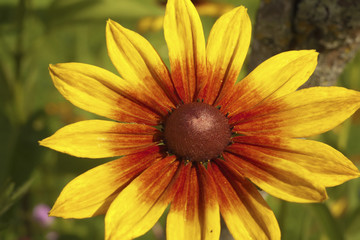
327 221
19 52
282 214
344 135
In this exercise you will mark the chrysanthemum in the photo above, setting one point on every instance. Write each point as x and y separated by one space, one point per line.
193 139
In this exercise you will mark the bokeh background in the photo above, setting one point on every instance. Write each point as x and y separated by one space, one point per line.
36 33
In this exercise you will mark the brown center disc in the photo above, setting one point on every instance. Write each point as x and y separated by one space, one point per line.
197 132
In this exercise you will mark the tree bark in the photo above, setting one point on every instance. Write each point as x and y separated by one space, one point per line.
332 27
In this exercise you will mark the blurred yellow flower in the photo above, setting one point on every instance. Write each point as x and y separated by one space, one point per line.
180 148
203 7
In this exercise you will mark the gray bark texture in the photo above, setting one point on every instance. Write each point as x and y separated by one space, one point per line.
332 27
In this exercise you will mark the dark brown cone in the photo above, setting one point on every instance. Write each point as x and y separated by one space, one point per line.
197 132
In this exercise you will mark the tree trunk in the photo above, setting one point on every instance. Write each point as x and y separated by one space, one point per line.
332 27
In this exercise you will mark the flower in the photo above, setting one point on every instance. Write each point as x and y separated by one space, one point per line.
193 138
40 215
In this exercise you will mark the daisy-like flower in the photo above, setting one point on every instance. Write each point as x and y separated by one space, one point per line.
193 139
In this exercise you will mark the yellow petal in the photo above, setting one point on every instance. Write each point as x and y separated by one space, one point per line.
99 91
245 212
186 43
141 67
300 114
100 139
178 181
208 206
141 199
326 166
276 77
183 218
226 50
194 212
280 178
91 193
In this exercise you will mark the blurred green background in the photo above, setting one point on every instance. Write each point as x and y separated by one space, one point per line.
35 33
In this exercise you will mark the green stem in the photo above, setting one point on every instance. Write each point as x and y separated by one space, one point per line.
20 113
344 135
327 221
20 38
282 214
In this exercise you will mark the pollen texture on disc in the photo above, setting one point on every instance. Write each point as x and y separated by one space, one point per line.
197 132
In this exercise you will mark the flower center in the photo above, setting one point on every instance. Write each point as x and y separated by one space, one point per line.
197 132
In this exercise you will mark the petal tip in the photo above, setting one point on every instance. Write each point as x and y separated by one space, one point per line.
310 53
241 8
241 11
51 68
314 52
109 22
41 142
324 196
356 173
44 142
53 212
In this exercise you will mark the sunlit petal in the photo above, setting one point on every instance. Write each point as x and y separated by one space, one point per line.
300 114
91 193
147 77
208 206
99 91
194 212
226 50
100 139
276 77
124 217
245 212
183 218
186 43
324 164
276 176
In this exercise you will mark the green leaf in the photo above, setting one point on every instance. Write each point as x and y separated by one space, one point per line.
9 195
322 213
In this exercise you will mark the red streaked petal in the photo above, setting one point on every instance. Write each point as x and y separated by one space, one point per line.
186 43
149 220
245 212
194 212
302 113
99 91
147 77
326 165
208 206
183 218
276 77
101 139
276 176
226 50
91 193
123 220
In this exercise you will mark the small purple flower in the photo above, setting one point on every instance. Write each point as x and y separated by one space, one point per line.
40 215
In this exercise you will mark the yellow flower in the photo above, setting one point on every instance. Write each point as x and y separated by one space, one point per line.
203 7
180 149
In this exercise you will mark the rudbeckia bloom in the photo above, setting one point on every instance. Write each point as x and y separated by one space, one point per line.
193 139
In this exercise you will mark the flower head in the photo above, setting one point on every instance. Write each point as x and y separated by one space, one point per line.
192 138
